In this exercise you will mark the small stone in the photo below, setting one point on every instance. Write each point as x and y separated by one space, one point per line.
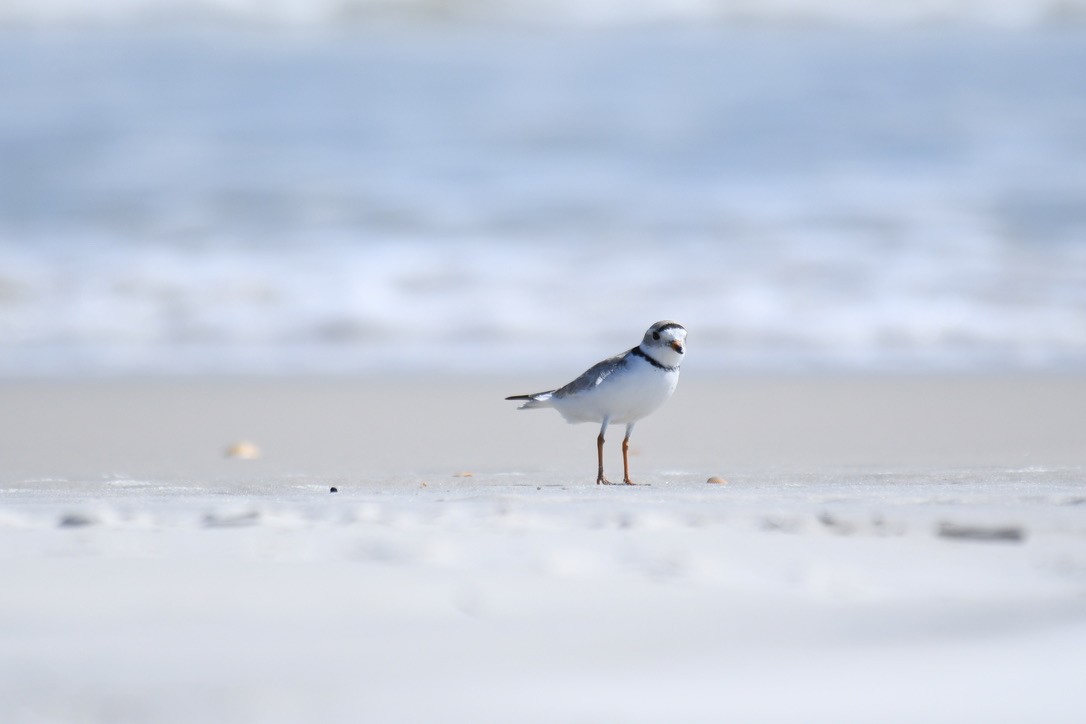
243 451
717 480
77 520
334 489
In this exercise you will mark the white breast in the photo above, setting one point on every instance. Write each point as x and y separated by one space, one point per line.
627 395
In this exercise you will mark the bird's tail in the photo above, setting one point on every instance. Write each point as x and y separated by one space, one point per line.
538 399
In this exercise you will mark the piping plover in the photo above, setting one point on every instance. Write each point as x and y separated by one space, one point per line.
620 389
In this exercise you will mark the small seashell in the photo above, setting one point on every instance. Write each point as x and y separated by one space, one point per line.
717 480
464 475
243 451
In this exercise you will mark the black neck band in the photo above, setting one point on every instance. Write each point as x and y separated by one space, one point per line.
641 353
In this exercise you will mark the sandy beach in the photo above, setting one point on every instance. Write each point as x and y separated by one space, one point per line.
892 549
269 270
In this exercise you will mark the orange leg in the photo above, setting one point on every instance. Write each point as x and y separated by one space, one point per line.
600 480
626 461
626 456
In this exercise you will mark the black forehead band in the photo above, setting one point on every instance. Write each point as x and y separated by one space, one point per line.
672 325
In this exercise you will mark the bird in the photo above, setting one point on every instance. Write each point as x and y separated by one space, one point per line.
621 389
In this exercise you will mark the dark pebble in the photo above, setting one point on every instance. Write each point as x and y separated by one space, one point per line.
1012 534
76 520
334 490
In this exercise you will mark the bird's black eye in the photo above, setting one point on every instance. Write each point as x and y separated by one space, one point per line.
656 335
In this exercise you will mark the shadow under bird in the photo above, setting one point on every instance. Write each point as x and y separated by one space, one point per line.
621 389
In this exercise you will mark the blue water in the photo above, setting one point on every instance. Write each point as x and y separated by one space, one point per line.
458 197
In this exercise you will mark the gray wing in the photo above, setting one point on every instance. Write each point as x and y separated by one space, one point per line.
593 376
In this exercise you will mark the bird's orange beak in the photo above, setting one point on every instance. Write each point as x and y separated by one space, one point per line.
677 346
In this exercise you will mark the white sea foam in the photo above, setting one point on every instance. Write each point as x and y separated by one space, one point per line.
590 13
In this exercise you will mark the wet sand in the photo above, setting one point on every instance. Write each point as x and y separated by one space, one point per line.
369 428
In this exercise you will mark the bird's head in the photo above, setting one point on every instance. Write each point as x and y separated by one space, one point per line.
665 342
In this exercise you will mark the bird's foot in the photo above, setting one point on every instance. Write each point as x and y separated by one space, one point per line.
603 481
627 481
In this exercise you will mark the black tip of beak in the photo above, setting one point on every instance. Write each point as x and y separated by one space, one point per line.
677 346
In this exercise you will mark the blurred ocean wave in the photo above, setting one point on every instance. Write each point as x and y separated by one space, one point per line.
461 199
